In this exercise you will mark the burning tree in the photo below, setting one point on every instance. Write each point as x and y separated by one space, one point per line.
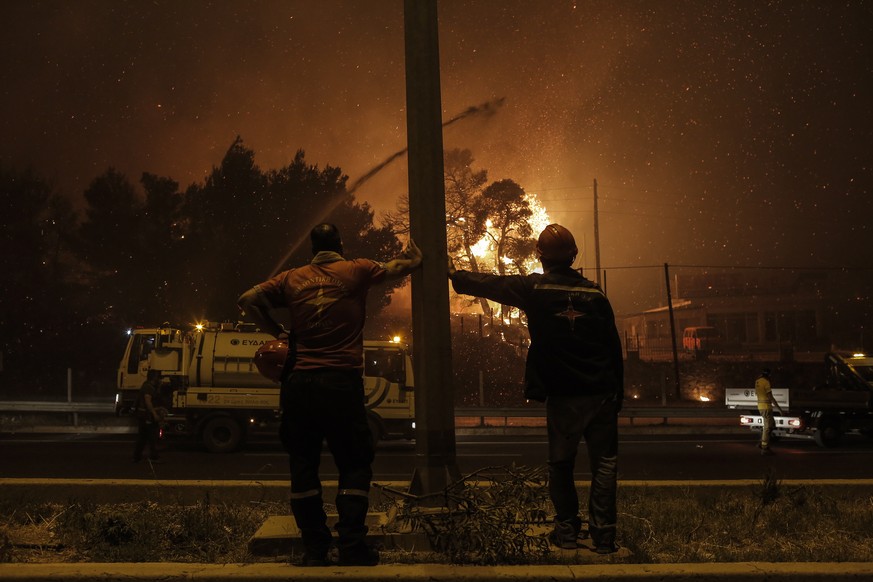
489 228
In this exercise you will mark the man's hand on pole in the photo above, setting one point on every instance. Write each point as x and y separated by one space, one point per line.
409 261
413 253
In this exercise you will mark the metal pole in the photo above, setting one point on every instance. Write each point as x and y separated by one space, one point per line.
481 389
672 331
596 235
435 459
70 394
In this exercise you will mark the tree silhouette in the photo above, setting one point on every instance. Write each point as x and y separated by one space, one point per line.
223 216
148 253
162 233
121 243
36 307
466 211
509 213
241 221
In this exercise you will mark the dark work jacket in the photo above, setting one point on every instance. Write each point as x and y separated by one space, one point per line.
574 345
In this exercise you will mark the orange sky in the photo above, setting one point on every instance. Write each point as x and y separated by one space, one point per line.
720 132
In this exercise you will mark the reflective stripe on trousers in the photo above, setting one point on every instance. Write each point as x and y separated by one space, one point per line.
305 494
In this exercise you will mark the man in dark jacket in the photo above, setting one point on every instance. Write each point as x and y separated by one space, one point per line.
575 366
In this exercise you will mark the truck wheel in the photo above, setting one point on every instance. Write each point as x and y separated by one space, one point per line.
828 433
222 434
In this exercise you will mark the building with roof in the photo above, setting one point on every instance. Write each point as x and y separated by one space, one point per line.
750 309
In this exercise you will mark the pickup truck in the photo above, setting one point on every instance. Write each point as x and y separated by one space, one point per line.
843 405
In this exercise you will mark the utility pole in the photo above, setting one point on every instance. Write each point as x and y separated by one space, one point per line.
596 236
435 457
672 331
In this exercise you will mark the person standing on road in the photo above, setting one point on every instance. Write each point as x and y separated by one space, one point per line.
149 416
575 366
322 397
766 401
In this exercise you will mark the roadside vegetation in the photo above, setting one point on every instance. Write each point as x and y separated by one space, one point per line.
503 523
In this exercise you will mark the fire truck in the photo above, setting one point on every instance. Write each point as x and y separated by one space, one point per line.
214 392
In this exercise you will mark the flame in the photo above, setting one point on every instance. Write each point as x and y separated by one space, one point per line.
484 249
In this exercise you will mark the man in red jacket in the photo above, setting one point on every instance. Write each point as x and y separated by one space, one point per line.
323 396
575 366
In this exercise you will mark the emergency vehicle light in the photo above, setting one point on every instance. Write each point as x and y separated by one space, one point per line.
795 422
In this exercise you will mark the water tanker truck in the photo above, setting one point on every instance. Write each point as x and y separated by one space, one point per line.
213 390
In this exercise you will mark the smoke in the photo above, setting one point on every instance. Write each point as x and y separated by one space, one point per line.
487 109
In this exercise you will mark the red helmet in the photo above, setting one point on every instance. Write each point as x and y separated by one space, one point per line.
270 359
556 243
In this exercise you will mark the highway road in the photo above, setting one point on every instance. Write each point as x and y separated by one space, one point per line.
641 457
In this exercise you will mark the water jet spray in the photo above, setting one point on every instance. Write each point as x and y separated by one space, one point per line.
486 109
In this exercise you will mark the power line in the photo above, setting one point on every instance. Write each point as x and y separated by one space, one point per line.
746 220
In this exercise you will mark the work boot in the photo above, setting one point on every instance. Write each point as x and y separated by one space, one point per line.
315 559
564 535
603 539
607 548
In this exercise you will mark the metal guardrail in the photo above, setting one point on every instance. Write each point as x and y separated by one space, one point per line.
28 412
628 412
471 411
69 407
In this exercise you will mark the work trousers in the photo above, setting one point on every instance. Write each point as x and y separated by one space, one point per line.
147 437
318 406
767 429
568 419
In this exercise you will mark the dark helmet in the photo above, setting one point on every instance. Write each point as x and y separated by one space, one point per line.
557 244
270 359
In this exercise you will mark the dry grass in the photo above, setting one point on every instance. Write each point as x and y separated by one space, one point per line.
765 522
769 522
134 532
